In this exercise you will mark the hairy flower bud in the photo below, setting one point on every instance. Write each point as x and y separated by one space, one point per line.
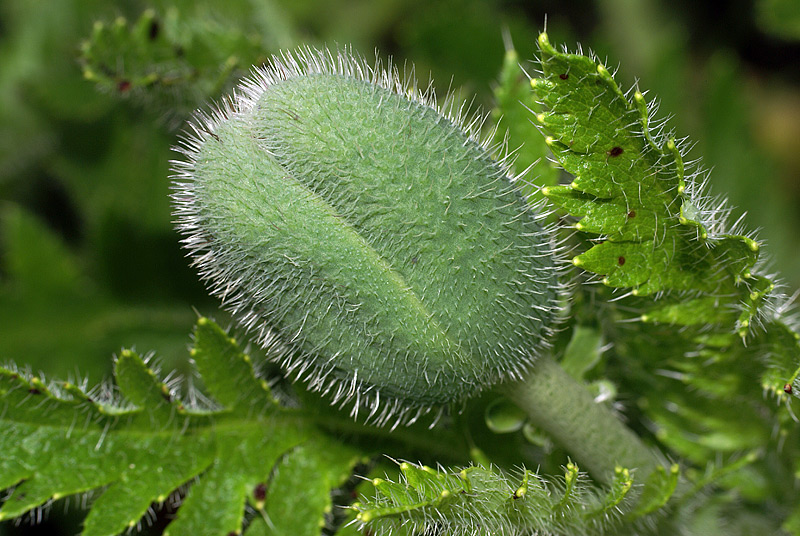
365 237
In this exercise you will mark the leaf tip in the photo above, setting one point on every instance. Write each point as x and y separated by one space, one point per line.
541 83
511 55
544 41
364 517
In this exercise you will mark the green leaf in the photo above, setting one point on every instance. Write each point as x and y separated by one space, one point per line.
513 100
503 416
781 347
170 60
42 268
632 188
329 464
583 351
60 440
658 489
484 501
653 229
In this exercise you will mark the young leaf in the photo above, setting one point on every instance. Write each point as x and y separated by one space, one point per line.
658 231
142 446
633 188
485 501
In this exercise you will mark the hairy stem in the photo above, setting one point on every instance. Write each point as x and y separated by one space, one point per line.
589 431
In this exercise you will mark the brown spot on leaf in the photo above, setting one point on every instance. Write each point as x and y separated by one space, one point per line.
564 76
787 388
124 85
631 214
621 261
260 492
615 151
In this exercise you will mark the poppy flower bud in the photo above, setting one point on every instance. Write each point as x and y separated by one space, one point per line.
365 237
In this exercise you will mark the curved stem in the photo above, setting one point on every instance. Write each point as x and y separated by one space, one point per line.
590 432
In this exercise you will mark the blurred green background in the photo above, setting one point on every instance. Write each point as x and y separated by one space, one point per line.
93 94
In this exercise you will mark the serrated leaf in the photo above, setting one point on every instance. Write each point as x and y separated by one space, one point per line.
233 387
330 466
658 489
654 229
617 491
632 187
141 387
60 440
124 503
484 501
691 311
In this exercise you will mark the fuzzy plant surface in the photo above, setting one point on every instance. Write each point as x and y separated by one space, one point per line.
316 210
380 254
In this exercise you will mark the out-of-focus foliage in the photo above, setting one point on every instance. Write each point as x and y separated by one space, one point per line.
170 60
779 17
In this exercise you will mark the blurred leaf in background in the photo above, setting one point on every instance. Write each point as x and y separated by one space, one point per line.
779 17
84 166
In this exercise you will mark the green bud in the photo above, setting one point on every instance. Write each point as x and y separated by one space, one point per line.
365 237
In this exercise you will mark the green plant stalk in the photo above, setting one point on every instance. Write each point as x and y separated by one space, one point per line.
589 431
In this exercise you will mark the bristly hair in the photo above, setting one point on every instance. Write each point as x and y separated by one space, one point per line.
361 396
